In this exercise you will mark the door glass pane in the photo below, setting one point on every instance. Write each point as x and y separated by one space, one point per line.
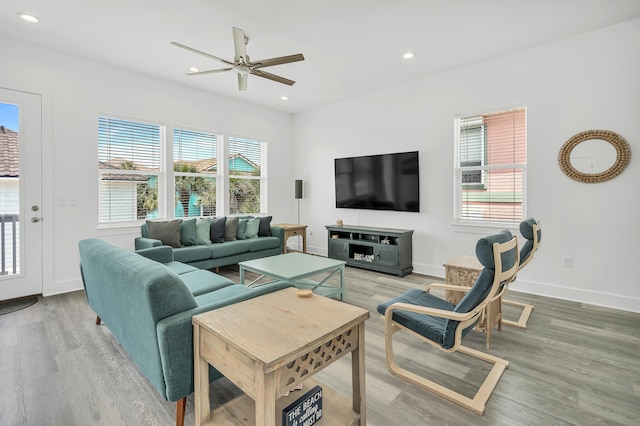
9 190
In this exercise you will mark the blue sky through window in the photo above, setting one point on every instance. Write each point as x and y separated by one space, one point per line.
9 116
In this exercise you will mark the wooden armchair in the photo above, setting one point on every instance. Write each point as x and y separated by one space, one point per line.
444 325
532 232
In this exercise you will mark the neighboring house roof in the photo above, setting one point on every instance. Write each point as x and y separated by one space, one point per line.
116 164
9 153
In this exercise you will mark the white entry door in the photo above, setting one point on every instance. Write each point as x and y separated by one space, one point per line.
20 194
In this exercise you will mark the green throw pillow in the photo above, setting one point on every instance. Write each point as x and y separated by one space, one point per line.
188 232
166 231
253 227
242 229
203 233
230 229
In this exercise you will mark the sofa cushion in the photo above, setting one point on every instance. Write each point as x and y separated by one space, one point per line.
167 231
242 229
222 294
192 253
180 268
263 243
203 231
202 281
217 229
229 248
253 227
230 229
265 226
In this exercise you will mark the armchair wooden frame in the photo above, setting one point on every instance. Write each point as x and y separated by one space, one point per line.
527 308
479 400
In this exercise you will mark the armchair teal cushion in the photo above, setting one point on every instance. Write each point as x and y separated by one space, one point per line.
526 229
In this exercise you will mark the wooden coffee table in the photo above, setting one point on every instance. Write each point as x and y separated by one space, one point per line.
298 269
268 345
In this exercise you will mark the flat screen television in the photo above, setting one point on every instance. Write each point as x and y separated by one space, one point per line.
379 182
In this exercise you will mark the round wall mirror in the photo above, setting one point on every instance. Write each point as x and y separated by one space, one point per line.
594 156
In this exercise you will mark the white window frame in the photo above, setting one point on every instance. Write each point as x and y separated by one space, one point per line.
468 224
160 173
262 178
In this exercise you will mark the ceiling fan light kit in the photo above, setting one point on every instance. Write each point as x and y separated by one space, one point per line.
242 65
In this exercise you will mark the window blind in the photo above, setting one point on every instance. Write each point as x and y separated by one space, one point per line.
128 165
246 175
491 167
195 165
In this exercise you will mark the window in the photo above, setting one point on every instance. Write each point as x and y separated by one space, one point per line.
128 167
246 179
490 167
195 169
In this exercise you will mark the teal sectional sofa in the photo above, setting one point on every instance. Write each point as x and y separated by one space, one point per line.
228 242
148 303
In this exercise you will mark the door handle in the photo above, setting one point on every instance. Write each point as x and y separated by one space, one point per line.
35 219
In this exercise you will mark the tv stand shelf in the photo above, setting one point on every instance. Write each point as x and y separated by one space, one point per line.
380 249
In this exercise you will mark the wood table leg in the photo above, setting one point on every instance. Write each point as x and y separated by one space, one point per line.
265 398
201 381
358 377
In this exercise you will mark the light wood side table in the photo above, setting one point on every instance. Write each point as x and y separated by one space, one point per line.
293 230
464 270
269 344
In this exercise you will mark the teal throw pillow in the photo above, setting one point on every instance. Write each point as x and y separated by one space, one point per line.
203 233
230 229
188 232
242 229
166 231
217 229
253 227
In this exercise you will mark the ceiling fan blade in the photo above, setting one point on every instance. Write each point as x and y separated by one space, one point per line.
273 77
240 45
277 61
242 81
191 49
209 71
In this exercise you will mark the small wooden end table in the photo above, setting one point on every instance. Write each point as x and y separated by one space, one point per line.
464 270
292 230
268 345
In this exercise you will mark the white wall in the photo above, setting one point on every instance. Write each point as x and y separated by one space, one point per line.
81 90
582 83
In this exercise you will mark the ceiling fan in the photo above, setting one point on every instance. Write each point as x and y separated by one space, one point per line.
242 64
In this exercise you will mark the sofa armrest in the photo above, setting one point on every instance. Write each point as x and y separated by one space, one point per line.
175 338
277 231
144 242
162 254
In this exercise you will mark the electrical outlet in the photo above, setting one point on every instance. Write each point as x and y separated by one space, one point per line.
567 262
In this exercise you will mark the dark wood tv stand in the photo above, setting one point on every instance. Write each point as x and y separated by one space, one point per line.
380 249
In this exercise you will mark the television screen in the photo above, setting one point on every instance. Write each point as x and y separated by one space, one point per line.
378 182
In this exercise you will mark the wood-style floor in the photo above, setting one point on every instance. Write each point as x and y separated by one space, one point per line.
575 364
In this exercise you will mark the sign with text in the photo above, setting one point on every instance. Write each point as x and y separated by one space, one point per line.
305 411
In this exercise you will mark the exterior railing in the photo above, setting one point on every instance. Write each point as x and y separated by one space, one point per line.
9 230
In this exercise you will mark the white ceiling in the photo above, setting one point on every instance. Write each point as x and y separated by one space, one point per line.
351 47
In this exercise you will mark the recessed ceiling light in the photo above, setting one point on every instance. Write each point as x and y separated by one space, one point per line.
284 98
194 69
28 18
409 55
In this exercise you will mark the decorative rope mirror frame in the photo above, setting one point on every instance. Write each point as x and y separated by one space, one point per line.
623 156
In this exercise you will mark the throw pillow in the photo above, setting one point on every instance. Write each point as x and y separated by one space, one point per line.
188 232
217 229
166 231
242 229
253 227
203 233
230 229
265 226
